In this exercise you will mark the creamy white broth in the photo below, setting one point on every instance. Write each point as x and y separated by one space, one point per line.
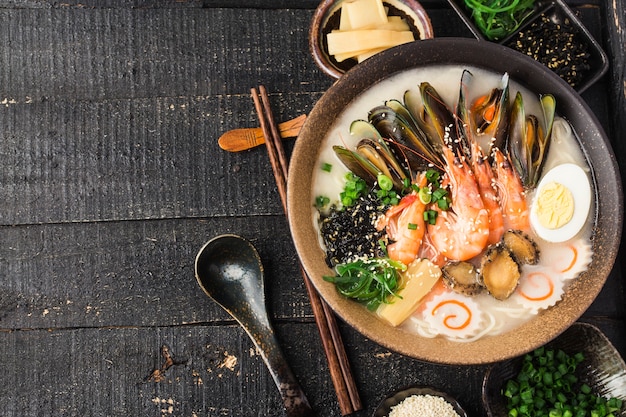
494 317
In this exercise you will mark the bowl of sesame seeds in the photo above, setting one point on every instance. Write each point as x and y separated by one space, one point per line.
553 35
419 401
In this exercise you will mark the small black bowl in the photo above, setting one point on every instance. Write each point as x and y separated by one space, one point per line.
384 408
556 14
603 369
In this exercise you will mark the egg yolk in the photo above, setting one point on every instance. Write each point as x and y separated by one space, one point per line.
554 205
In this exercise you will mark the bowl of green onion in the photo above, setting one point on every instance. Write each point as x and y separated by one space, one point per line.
580 373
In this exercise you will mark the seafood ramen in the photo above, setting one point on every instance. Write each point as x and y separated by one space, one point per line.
453 202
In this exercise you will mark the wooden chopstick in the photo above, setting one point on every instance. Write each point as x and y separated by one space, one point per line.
341 375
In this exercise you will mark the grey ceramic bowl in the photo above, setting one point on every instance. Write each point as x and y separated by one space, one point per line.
384 408
603 369
326 18
607 195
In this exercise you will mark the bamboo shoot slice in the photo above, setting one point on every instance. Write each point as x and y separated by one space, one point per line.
340 42
421 276
363 13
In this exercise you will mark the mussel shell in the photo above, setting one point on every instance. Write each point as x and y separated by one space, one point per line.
439 116
369 135
380 156
517 141
422 143
362 129
529 140
359 165
498 125
464 120
401 138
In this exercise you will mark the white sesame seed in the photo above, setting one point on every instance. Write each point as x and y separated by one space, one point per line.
423 406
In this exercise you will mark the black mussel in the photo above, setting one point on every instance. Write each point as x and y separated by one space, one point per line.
362 129
400 137
371 156
358 164
529 138
423 144
440 118
490 114
413 103
463 116
380 155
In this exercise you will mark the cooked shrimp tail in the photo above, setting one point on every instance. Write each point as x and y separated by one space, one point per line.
510 193
405 226
461 232
486 183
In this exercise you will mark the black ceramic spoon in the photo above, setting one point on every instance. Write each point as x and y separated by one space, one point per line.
229 270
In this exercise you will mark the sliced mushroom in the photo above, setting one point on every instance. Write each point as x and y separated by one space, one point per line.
462 277
500 272
522 246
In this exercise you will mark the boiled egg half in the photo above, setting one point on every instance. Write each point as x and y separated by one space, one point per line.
561 203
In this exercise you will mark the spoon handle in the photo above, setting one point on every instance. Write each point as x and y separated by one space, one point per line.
294 399
237 140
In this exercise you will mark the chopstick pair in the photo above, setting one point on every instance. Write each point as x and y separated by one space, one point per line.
340 373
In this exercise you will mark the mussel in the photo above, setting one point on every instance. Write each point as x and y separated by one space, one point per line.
371 156
402 138
529 138
490 114
423 143
441 121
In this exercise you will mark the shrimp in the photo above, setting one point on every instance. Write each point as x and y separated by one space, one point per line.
511 194
463 231
487 188
405 226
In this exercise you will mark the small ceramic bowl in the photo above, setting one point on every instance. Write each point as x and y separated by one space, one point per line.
384 408
326 19
603 369
557 14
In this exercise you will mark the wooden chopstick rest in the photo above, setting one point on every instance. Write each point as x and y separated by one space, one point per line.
237 140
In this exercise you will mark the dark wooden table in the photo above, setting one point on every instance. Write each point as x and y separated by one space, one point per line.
111 179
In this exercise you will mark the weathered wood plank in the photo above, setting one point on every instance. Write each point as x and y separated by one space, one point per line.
133 159
103 372
133 273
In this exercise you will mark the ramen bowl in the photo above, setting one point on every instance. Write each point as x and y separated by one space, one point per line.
379 72
326 18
